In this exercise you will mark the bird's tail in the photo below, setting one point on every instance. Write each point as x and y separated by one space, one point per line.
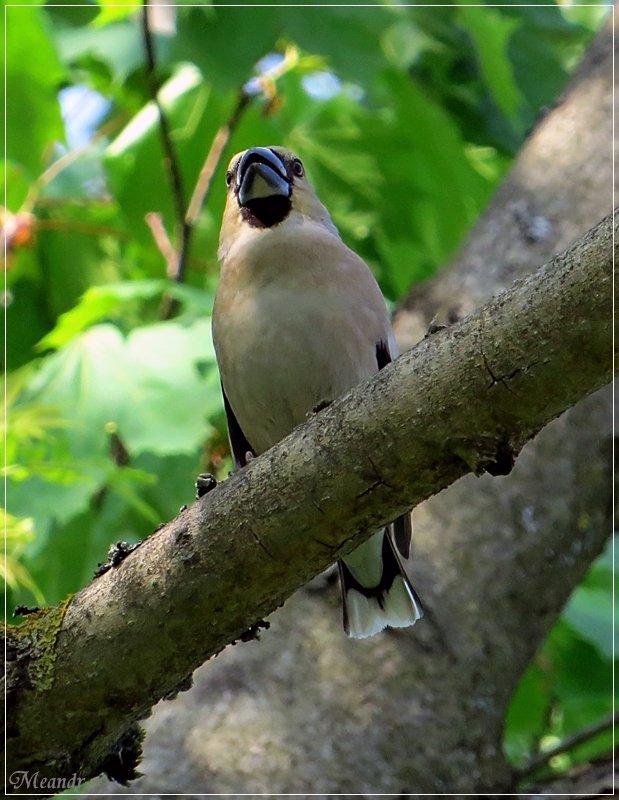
376 591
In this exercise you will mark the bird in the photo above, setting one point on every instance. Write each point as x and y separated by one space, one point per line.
299 320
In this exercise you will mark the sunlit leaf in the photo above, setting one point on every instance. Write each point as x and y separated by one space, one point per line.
17 532
132 383
113 12
104 302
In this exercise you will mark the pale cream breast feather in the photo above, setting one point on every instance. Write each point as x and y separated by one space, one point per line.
297 318
296 322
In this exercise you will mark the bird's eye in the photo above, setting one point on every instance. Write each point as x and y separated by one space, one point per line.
297 168
228 178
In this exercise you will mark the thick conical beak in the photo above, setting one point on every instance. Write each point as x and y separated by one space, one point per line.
261 174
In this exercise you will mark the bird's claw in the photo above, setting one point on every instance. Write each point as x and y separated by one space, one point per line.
205 483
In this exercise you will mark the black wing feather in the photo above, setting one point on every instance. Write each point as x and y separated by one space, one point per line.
402 527
238 441
402 533
383 356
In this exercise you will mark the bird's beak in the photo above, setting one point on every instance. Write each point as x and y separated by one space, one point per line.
261 174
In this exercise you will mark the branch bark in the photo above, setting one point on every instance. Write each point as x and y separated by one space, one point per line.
467 398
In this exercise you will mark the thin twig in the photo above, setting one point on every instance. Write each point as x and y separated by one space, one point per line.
162 240
222 137
170 160
569 743
267 83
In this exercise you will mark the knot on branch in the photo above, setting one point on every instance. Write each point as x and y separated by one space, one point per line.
494 455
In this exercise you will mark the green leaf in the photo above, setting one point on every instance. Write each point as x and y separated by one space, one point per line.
72 254
225 42
404 43
491 32
590 612
96 304
118 45
85 380
590 15
62 567
569 684
578 686
583 681
347 36
111 11
177 473
526 719
539 89
432 192
33 115
27 319
108 301
126 483
590 608
102 383
15 183
173 366
134 160
82 179
106 382
17 533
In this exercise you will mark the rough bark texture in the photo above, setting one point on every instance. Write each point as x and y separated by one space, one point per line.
488 384
419 711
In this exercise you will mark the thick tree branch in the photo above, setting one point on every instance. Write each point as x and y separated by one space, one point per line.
464 399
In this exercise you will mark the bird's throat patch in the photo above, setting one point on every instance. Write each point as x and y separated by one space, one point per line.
264 212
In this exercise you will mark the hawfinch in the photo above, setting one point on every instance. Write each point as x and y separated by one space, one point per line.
298 321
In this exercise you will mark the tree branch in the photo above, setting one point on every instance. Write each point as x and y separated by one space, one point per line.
467 398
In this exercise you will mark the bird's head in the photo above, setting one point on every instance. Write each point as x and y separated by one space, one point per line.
267 187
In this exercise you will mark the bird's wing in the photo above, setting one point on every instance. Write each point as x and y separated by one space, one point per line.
239 445
402 534
402 526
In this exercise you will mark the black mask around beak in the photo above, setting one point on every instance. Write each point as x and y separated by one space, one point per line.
263 187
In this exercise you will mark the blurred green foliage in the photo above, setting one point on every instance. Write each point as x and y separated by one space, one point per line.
406 118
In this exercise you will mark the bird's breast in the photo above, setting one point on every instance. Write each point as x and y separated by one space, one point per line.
285 349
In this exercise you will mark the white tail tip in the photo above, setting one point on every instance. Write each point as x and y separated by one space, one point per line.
387 600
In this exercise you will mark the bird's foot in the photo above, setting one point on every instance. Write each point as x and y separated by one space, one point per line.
205 483
322 405
116 554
